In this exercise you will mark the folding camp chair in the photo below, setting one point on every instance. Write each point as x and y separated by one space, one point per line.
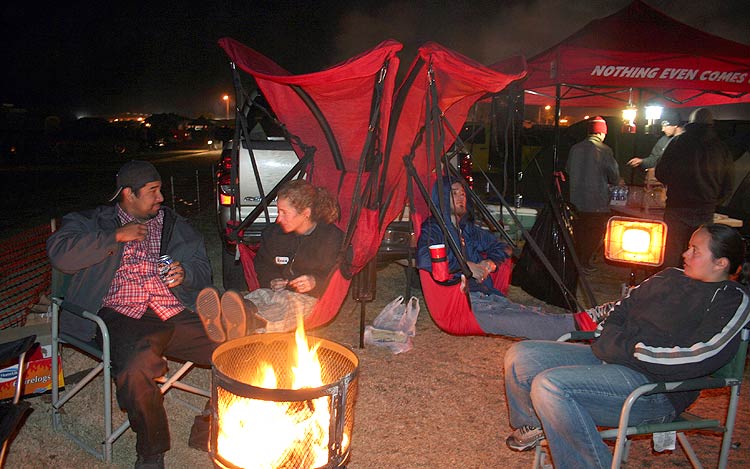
729 376
103 450
11 413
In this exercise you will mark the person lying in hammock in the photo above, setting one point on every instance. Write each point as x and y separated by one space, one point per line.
484 254
293 266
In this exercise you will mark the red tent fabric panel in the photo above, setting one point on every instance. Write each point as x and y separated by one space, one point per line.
460 82
640 47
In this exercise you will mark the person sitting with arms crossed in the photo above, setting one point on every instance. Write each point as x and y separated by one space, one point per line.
676 325
112 253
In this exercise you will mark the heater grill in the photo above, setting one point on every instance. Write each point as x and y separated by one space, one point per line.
252 420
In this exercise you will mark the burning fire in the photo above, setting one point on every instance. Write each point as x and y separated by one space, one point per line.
267 434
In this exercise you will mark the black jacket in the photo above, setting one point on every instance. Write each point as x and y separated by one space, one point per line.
697 169
289 255
672 327
85 247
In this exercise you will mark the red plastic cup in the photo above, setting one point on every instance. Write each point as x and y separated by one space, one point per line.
439 262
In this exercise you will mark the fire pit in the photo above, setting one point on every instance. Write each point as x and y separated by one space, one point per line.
278 403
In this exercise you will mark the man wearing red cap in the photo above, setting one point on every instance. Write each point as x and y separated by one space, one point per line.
591 167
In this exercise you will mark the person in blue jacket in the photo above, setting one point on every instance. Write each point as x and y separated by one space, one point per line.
483 252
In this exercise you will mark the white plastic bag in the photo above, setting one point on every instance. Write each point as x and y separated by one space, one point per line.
395 325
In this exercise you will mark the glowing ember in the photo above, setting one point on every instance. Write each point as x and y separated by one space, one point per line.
267 434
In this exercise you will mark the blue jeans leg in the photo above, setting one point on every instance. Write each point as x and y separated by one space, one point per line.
571 401
498 315
524 361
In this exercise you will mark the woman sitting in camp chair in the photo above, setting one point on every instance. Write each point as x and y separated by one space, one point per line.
676 325
293 264
491 311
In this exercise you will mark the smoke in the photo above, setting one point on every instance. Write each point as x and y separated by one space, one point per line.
490 31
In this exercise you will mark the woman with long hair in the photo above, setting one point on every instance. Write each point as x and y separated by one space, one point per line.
296 257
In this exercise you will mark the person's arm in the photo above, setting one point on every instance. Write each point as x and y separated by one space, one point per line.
327 247
79 244
613 170
196 266
703 349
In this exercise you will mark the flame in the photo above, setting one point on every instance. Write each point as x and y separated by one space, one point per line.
256 433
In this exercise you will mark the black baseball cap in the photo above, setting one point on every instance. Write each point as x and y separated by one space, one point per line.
135 174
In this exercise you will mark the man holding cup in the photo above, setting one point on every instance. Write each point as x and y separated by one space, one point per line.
112 253
483 253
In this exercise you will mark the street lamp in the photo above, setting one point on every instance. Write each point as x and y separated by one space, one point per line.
226 100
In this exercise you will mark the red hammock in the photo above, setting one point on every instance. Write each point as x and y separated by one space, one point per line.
343 95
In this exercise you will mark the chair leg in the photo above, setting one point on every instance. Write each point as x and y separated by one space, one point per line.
726 442
540 457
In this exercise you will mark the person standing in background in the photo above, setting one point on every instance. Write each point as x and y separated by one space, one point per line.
591 167
697 169
669 126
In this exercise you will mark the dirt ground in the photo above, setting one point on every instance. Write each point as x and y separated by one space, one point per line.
440 405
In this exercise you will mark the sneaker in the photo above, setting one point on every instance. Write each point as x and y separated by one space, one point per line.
233 314
524 438
590 319
600 313
153 461
208 307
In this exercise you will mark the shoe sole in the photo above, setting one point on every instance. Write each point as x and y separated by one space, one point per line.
520 447
233 314
208 307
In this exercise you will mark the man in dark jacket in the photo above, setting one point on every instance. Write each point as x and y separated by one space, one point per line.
112 254
591 167
697 169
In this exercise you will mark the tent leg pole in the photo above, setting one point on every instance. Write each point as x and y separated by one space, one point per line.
362 311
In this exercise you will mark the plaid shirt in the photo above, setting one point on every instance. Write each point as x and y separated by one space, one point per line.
137 285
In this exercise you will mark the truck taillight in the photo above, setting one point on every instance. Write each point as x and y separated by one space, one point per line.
226 200
226 191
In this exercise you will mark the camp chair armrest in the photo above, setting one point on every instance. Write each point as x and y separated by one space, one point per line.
577 335
88 345
694 384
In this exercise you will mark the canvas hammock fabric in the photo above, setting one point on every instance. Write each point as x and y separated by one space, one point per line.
438 93
342 98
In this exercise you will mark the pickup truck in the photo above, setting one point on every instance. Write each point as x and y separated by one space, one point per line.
240 198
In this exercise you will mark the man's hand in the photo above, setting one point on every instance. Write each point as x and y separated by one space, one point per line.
634 162
132 231
478 271
175 275
302 284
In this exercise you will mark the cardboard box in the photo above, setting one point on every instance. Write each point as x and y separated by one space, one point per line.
38 376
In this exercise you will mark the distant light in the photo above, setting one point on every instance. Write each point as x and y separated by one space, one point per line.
629 113
586 117
547 107
563 121
653 113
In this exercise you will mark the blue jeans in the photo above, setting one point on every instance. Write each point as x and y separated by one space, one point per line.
496 314
566 390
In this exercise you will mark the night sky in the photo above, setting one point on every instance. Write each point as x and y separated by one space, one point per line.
100 58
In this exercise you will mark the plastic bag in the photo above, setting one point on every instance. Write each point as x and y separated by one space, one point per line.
395 325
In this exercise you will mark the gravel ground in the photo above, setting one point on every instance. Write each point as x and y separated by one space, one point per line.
440 405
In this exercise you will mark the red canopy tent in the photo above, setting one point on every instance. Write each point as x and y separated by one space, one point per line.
642 49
